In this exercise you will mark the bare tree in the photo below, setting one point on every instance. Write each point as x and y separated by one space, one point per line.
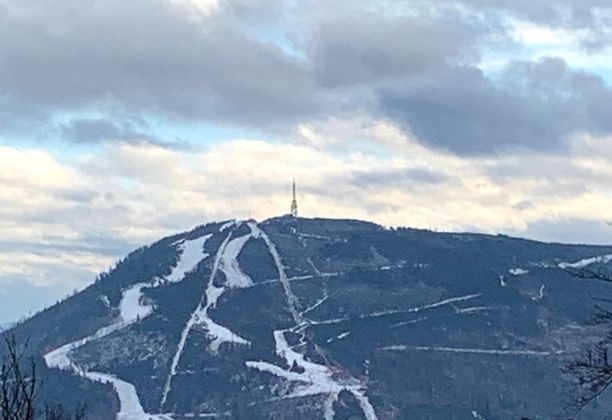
18 385
590 374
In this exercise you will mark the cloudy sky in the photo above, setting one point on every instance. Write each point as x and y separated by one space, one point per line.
123 121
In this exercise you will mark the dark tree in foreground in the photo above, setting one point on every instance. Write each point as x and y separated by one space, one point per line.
18 386
591 373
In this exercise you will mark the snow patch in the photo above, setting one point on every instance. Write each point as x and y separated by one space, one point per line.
192 252
129 403
328 406
227 225
400 311
105 301
235 278
540 295
310 378
132 309
343 335
603 259
292 300
226 261
403 347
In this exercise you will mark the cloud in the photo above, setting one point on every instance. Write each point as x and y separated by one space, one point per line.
397 112
276 65
64 220
371 49
537 105
98 130
63 56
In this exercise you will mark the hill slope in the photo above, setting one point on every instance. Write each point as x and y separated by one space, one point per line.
315 318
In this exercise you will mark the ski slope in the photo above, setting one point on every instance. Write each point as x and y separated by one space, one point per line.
132 309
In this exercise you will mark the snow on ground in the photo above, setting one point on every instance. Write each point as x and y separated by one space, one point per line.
235 278
540 295
291 298
475 309
312 378
603 259
130 312
227 225
132 309
399 311
226 261
192 252
315 379
309 378
403 347
59 359
129 403
323 238
219 333
343 335
518 271
328 406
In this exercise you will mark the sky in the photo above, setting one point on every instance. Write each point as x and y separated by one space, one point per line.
122 122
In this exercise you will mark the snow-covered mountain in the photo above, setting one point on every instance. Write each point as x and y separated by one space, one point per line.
316 318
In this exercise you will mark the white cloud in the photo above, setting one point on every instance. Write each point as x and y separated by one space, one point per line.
204 7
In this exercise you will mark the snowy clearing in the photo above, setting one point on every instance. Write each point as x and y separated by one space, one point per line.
310 378
603 259
192 252
226 261
132 309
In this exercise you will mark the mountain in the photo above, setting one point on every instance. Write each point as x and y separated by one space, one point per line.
297 318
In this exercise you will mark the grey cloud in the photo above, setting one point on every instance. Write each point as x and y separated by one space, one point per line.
592 17
368 179
372 49
105 130
66 55
78 196
523 205
537 106
147 57
51 245
114 57
577 12
97 130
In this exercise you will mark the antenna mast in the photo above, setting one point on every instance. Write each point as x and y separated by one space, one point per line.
294 206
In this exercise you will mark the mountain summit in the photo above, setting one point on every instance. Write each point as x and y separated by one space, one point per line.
297 318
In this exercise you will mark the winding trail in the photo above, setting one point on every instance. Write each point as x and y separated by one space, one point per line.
226 261
132 309
311 378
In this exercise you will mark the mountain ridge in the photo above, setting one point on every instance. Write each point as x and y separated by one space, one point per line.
274 304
